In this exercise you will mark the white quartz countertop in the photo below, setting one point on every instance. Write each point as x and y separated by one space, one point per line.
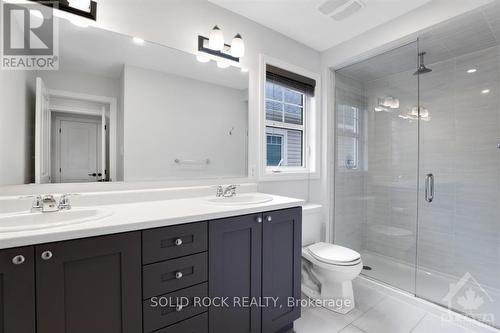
142 215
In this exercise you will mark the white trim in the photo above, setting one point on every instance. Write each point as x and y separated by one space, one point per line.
312 130
113 121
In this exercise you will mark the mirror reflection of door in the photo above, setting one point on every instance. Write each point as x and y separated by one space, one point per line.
71 136
78 149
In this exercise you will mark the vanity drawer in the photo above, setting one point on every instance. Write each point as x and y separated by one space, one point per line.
167 276
163 316
172 242
198 324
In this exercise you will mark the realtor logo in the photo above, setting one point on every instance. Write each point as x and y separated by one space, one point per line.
470 298
28 36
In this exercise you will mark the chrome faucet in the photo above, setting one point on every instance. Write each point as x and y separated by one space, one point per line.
64 202
49 204
37 203
226 192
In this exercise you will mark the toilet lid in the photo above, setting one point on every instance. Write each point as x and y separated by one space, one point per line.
334 254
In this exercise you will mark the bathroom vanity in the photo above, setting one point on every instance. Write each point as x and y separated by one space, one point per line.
111 283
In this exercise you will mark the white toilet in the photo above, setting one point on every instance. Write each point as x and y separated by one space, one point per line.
327 269
327 274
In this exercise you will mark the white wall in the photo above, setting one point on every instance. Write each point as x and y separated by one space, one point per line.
17 117
168 117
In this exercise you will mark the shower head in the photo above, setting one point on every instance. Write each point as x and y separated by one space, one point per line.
421 65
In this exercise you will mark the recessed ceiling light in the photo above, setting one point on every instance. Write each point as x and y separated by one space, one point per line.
472 70
203 59
244 70
485 91
138 40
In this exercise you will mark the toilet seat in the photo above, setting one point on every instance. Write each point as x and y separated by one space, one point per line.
334 254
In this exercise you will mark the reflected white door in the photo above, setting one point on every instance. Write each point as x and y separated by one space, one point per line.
79 151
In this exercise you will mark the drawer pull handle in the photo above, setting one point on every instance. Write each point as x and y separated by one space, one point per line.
178 275
46 255
18 260
178 242
178 308
259 219
269 218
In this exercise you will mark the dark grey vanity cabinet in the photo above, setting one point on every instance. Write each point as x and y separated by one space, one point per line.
112 284
89 285
17 290
281 268
235 256
255 256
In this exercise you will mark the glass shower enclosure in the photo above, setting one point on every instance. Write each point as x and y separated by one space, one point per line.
417 165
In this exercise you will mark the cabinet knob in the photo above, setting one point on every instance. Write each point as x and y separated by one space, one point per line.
259 219
46 255
178 275
178 242
18 260
178 308
269 218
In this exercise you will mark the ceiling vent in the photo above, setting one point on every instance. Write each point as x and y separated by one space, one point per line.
330 6
340 9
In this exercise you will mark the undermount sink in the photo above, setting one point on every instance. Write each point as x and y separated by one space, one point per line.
241 199
38 220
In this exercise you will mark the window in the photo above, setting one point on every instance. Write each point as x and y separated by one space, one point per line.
284 126
289 122
348 129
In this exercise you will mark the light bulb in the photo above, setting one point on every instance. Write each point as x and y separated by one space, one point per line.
222 64
472 70
202 59
237 47
138 40
80 4
485 91
216 39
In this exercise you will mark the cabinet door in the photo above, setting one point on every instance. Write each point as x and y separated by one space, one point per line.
17 290
281 256
90 285
235 259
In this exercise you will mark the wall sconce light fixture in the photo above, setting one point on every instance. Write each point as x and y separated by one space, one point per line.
214 48
83 8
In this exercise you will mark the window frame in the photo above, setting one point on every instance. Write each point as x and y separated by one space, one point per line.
355 134
310 128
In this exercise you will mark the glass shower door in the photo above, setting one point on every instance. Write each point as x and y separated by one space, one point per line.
458 244
376 164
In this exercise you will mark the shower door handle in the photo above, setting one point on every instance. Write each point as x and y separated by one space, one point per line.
429 187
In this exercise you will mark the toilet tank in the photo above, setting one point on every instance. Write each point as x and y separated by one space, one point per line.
313 224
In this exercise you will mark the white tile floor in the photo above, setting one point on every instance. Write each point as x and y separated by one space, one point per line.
382 310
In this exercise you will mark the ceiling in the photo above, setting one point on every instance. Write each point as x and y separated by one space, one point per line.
301 20
465 34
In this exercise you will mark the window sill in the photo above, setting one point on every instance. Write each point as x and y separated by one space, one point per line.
285 175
